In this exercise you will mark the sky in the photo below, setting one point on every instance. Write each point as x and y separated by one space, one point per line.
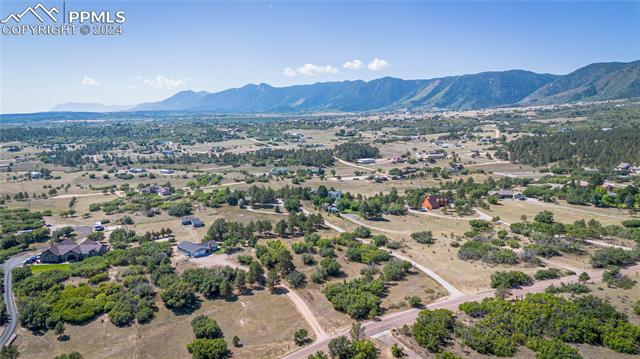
169 46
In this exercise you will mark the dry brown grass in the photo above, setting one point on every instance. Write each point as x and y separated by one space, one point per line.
264 322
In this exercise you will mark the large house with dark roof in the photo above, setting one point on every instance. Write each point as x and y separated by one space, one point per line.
197 249
70 251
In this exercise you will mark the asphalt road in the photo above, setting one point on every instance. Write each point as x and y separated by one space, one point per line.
9 300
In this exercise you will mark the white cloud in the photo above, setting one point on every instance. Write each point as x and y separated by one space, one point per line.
378 65
353 65
161 82
310 70
313 70
88 81
289 72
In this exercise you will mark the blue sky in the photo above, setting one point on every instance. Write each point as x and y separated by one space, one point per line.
203 45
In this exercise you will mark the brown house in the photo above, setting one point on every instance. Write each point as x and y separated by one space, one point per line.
70 251
434 201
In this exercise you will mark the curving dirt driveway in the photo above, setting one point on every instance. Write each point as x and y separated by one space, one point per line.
221 260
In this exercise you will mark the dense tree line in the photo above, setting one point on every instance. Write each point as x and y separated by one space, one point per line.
351 151
583 147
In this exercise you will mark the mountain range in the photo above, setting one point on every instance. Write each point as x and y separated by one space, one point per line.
598 81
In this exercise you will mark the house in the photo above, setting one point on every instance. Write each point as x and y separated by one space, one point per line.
194 221
487 140
365 161
279 171
196 250
456 167
315 170
36 174
433 155
520 197
70 251
503 193
434 201
624 166
409 170
149 189
607 186
164 191
335 195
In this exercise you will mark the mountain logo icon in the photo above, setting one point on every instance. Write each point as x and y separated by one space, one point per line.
33 10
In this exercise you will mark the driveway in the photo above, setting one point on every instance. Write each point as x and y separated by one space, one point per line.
10 302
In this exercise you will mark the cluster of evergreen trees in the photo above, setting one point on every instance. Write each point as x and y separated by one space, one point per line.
583 147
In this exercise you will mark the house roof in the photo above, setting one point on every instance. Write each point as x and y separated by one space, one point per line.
194 247
66 246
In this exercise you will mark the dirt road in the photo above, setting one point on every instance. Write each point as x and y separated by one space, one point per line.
408 317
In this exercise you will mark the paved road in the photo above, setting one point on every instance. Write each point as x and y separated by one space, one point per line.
9 300
386 323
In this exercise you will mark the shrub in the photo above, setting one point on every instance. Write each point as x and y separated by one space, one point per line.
330 266
631 223
179 296
433 329
550 273
552 349
100 277
424 237
296 279
396 270
414 301
208 349
308 259
205 327
613 257
615 279
301 337
358 298
510 279
362 232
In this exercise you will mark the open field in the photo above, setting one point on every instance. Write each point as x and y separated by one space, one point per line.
265 323
511 211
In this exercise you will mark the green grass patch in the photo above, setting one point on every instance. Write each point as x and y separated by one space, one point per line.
38 268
